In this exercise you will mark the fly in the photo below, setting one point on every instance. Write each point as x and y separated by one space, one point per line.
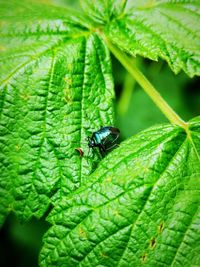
105 139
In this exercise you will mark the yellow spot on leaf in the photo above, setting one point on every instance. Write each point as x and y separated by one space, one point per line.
152 243
104 255
82 234
69 67
161 227
68 81
67 97
2 48
144 257
17 147
116 213
108 180
25 96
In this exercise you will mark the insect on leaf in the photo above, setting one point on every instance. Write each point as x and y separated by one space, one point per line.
140 206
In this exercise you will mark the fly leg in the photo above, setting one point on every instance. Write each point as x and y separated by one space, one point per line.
102 150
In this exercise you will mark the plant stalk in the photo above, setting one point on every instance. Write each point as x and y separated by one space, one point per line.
147 86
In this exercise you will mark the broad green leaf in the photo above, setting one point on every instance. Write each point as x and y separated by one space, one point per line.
139 208
56 88
166 29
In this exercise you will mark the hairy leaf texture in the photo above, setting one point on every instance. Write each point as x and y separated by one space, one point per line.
56 88
161 29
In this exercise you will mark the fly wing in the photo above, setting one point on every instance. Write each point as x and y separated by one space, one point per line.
114 131
111 138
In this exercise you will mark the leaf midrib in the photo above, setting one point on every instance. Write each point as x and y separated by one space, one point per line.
193 144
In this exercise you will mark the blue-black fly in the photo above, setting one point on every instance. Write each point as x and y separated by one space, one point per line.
105 139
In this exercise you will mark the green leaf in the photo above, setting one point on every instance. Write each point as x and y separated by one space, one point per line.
56 88
165 29
140 207
102 11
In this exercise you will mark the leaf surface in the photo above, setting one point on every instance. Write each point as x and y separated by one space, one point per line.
140 207
165 29
56 88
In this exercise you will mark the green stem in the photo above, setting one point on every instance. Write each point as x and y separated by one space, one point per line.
147 86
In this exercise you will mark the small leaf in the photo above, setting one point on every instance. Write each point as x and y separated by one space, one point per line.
56 88
140 206
161 29
101 11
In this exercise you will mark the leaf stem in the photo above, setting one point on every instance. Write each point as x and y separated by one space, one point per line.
147 86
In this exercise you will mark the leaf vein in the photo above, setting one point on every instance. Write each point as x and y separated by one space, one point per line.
180 25
26 63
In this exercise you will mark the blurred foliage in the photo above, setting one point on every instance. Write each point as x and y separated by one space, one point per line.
136 111
69 3
20 244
